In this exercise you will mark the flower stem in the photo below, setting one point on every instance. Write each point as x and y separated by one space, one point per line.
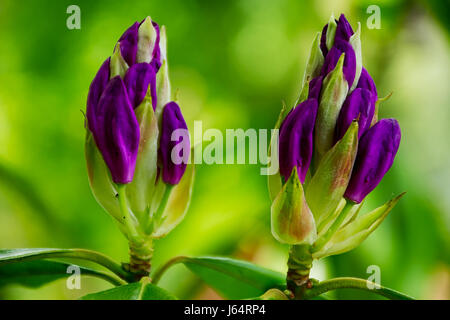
132 232
322 241
159 273
352 283
163 203
299 265
141 254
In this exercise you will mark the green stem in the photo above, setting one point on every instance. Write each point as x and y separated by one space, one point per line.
160 272
299 264
272 294
163 203
353 283
129 224
322 241
109 278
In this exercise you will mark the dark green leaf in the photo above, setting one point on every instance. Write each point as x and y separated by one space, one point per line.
134 291
14 255
37 273
235 279
8 256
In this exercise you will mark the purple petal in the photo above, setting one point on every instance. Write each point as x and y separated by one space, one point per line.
173 169
315 85
376 152
366 82
333 56
128 44
156 60
343 29
95 91
296 139
359 104
137 80
323 41
117 131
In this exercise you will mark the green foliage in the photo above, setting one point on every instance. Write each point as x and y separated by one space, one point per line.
35 274
135 291
235 279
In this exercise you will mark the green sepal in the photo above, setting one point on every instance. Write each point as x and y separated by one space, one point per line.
163 88
315 61
100 180
334 92
141 190
355 42
146 41
331 32
328 221
291 219
274 182
331 178
117 65
354 233
177 204
377 108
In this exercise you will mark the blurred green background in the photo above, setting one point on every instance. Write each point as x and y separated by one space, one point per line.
233 63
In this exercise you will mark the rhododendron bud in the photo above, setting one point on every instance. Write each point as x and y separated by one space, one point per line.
358 106
376 153
132 179
173 147
296 139
292 220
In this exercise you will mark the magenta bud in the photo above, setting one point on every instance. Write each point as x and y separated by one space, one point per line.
139 79
173 145
323 40
358 105
376 152
129 46
366 82
296 139
343 29
116 130
340 46
315 86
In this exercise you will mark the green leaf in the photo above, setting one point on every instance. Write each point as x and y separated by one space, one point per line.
235 279
34 274
142 290
29 254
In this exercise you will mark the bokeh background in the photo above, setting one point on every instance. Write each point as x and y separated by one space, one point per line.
233 63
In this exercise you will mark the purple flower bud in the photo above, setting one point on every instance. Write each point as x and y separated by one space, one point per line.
137 80
156 60
96 89
359 104
323 40
376 152
173 169
366 82
343 29
129 44
115 129
333 56
315 85
296 139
